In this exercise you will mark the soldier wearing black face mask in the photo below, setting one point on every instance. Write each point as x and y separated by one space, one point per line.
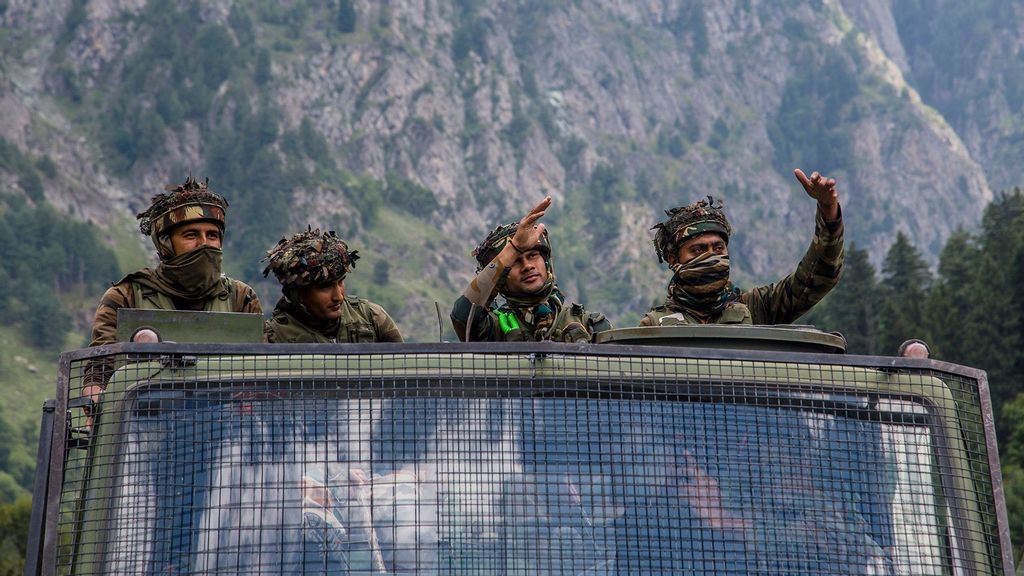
186 226
694 241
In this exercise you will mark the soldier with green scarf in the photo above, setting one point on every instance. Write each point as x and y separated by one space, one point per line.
695 244
186 225
311 267
514 261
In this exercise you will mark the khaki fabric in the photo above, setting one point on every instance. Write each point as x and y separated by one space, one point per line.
236 296
361 321
734 313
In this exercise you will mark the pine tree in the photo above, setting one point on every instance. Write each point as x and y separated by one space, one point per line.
953 296
346 17
851 308
905 281
997 296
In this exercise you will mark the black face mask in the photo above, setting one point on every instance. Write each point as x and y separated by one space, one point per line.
194 275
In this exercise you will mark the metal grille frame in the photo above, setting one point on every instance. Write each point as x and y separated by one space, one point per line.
961 425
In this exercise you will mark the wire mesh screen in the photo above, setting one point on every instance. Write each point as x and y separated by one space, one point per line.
501 463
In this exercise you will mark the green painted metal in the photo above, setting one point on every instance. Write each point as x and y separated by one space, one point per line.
731 337
191 326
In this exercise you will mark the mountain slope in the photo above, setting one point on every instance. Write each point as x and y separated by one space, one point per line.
454 116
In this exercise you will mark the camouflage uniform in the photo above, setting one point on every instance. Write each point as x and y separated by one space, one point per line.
779 303
543 316
315 258
160 288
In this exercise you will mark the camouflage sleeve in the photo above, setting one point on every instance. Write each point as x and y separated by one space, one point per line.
383 325
483 287
246 299
104 329
477 298
483 321
818 272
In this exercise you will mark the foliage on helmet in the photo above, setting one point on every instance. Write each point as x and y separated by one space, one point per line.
310 258
187 202
686 222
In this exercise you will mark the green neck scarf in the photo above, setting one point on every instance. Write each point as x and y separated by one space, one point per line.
701 287
193 276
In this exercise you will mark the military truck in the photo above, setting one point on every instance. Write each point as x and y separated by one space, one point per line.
683 450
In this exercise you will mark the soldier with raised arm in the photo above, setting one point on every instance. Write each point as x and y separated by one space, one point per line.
515 262
694 241
314 307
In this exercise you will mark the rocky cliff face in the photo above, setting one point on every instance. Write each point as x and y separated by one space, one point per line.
491 105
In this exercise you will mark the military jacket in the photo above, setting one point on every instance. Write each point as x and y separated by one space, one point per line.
572 323
782 302
361 321
235 296
734 313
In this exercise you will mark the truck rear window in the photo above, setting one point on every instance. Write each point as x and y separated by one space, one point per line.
320 483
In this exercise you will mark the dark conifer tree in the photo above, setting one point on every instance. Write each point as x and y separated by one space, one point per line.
996 297
905 281
953 296
851 308
346 17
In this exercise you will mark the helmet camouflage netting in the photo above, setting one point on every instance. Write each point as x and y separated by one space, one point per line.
496 240
310 258
182 203
687 221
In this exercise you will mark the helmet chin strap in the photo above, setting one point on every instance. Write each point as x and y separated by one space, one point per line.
164 247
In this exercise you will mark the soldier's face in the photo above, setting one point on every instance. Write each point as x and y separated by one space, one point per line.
324 301
528 273
697 245
192 235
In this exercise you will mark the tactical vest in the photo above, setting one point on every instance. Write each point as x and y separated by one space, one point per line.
355 325
734 313
148 298
571 324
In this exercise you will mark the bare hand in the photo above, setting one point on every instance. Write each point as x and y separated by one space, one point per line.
702 492
823 190
529 232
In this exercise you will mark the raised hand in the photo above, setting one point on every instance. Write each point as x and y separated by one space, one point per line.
823 190
529 231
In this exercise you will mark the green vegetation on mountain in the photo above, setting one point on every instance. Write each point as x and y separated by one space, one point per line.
413 128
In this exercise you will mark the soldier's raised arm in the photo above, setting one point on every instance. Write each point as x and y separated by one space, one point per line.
514 262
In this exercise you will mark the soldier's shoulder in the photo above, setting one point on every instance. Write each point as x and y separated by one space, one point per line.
370 304
239 285
365 306
596 321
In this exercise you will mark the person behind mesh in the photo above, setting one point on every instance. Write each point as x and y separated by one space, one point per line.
186 226
694 241
514 261
311 267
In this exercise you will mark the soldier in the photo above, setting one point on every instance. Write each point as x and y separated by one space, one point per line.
186 226
311 267
515 262
695 243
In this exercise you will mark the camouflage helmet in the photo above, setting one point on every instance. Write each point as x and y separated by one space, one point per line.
191 201
496 240
686 222
310 258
